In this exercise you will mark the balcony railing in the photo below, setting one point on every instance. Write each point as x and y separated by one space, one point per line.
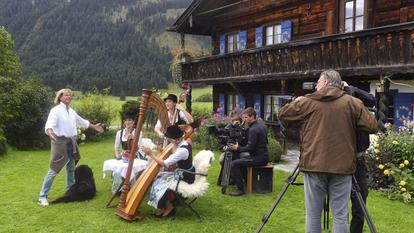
385 50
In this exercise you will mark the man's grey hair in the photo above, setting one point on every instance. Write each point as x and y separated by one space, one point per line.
60 93
333 78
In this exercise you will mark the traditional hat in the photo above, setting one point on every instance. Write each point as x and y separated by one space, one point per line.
171 97
174 132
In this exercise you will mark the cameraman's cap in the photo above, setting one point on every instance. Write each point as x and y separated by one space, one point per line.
171 97
174 132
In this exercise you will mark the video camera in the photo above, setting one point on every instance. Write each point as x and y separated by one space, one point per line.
230 134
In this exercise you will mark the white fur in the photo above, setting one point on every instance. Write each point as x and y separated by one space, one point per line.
146 142
201 162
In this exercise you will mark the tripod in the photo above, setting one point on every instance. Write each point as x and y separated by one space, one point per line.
291 181
225 176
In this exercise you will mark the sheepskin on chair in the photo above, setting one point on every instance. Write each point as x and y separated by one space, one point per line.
201 162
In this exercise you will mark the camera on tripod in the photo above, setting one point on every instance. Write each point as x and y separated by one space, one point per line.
230 134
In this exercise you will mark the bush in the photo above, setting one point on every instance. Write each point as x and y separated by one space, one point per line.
207 97
130 106
390 159
203 139
96 110
275 149
199 113
25 105
3 143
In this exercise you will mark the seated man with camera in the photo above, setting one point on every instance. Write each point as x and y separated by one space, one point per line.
256 146
231 134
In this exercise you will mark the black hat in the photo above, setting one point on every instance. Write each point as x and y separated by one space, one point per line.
171 97
174 132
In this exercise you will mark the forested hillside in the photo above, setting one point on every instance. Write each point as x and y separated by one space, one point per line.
95 44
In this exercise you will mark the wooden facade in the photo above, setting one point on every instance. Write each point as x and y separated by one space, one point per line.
364 40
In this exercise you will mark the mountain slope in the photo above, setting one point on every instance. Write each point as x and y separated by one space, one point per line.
91 44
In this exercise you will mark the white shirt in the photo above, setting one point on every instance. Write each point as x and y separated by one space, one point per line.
63 121
178 155
172 121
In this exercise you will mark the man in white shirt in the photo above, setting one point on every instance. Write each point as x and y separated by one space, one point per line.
61 128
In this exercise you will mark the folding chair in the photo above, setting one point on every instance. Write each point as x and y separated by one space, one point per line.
186 194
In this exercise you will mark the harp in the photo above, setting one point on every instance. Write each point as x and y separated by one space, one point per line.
131 198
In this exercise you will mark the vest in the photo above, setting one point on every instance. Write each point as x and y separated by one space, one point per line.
179 120
187 165
124 145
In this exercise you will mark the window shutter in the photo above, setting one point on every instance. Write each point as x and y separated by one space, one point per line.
259 37
222 44
257 100
221 109
286 31
242 40
242 103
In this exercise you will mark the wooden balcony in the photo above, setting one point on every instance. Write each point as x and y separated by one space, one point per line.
386 50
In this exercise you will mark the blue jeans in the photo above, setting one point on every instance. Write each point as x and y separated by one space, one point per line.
70 174
317 186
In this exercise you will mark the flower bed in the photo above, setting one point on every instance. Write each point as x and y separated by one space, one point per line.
390 159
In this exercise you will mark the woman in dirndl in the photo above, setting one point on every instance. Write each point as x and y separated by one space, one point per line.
161 196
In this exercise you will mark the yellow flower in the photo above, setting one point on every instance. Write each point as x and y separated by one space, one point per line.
386 172
402 183
392 172
377 158
377 151
395 142
381 166
402 165
376 145
406 162
403 189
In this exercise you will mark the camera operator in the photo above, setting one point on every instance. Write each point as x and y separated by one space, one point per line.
329 121
232 133
256 146
362 143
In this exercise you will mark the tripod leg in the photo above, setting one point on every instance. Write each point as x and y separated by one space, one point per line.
225 179
357 191
288 182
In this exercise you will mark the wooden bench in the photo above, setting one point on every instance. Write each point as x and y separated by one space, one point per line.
260 179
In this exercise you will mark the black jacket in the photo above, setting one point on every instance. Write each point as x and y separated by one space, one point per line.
257 143
369 101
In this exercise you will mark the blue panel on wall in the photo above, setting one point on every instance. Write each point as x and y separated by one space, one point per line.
242 40
222 44
286 31
259 37
221 104
257 100
403 107
242 103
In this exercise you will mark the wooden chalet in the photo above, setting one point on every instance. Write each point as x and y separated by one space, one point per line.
263 50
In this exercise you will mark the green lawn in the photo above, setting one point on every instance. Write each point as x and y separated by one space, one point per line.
22 172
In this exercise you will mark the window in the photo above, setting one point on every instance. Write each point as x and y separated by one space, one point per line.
232 41
354 15
273 34
232 104
272 104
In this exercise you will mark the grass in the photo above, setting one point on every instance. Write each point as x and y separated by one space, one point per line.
22 172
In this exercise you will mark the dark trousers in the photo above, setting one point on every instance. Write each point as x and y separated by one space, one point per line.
357 222
238 170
